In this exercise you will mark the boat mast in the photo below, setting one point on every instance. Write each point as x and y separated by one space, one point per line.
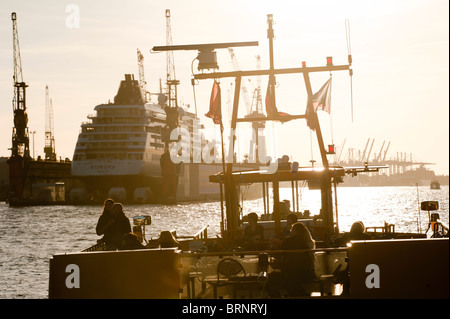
231 198
275 182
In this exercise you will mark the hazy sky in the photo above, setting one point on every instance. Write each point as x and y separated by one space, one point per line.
400 54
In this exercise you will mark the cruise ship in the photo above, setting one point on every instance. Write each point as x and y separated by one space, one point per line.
118 153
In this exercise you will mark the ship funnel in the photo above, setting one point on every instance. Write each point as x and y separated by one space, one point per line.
129 92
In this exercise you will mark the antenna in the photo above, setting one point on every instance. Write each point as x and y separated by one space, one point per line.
207 57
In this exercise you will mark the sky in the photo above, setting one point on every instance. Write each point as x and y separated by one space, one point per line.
400 51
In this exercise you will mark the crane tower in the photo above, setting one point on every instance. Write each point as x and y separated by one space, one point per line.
142 82
172 82
49 146
172 119
20 135
258 143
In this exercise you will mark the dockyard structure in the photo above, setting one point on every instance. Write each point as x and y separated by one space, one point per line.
32 181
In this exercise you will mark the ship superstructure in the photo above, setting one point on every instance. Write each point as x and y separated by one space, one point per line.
120 147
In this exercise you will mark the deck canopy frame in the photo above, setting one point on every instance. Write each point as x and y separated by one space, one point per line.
305 174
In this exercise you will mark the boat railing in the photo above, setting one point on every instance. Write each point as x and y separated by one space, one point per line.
101 246
443 225
387 228
201 234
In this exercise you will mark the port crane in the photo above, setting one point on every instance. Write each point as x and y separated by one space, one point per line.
24 171
366 159
169 101
142 82
20 135
256 110
252 112
378 158
257 97
172 82
244 87
49 146
385 152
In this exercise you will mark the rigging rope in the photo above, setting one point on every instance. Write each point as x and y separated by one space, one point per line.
193 86
349 49
331 118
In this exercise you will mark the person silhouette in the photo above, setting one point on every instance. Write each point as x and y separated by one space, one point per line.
295 270
357 232
105 221
120 226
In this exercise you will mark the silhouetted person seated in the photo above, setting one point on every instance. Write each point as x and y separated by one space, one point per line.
105 221
119 227
283 163
295 270
167 240
285 209
130 242
357 232
277 240
253 234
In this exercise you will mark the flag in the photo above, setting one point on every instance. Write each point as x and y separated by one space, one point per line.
272 111
215 104
319 101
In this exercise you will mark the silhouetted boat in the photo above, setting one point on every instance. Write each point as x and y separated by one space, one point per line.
435 185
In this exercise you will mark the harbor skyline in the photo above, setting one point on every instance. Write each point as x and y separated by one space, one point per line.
399 49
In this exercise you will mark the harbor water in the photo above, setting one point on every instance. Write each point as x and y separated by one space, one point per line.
29 236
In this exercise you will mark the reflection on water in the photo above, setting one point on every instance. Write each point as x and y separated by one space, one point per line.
30 236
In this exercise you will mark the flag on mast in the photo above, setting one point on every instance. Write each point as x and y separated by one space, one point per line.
215 104
321 100
271 109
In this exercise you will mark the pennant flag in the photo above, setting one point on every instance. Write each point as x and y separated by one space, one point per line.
272 110
319 101
215 104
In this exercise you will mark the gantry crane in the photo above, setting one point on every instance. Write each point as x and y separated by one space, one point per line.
171 81
142 82
244 87
378 158
256 110
370 151
385 152
49 146
20 135
257 96
363 156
